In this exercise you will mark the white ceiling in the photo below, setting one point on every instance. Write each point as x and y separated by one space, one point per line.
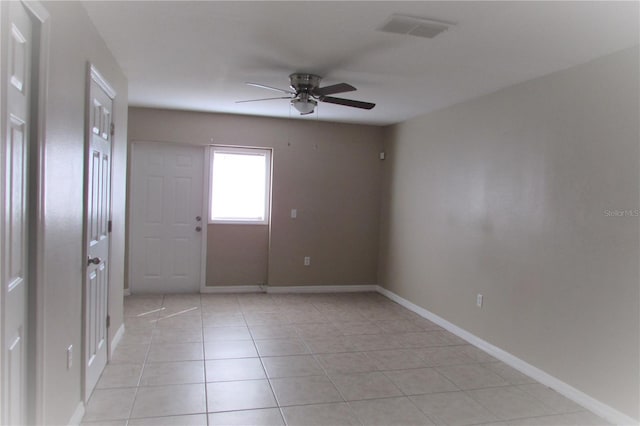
198 55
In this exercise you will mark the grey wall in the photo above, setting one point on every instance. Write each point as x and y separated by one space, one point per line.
74 42
330 172
506 195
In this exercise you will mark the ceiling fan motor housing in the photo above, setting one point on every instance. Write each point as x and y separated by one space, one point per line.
304 83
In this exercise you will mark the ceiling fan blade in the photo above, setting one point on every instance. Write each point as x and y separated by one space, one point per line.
347 102
271 88
264 99
336 88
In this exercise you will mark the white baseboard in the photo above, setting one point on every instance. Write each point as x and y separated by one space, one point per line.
597 407
126 292
232 289
288 289
77 416
116 339
321 288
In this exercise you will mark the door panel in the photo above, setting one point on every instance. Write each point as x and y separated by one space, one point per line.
15 207
14 216
166 198
98 213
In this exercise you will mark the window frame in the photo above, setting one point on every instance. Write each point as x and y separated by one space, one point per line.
258 151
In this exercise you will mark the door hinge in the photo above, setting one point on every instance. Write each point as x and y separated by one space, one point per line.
113 128
108 321
109 226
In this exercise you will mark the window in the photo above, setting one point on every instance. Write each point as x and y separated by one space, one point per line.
240 185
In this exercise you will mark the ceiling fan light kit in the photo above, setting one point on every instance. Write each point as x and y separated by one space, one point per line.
306 93
304 106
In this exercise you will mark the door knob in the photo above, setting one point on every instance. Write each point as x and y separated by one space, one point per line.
198 218
94 260
198 228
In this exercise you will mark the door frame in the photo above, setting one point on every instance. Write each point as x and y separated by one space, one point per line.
205 187
35 198
93 75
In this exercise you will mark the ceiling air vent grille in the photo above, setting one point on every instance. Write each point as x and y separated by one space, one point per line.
419 27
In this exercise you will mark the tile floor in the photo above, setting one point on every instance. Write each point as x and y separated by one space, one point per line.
321 359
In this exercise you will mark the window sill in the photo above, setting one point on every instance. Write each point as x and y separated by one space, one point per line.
237 222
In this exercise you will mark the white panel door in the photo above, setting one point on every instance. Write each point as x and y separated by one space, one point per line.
14 216
166 218
97 217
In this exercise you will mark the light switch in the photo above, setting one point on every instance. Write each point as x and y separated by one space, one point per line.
294 213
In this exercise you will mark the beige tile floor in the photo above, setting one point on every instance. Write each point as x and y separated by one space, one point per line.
321 359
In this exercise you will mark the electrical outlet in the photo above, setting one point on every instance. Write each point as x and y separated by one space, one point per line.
294 213
479 300
69 357
307 261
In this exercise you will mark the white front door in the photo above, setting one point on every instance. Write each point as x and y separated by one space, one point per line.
167 219
97 217
13 175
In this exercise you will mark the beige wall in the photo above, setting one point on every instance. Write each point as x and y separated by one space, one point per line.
330 172
505 195
74 42
237 254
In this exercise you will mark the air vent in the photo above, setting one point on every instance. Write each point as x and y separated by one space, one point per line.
419 27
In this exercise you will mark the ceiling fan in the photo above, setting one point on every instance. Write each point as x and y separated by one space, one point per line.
306 92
